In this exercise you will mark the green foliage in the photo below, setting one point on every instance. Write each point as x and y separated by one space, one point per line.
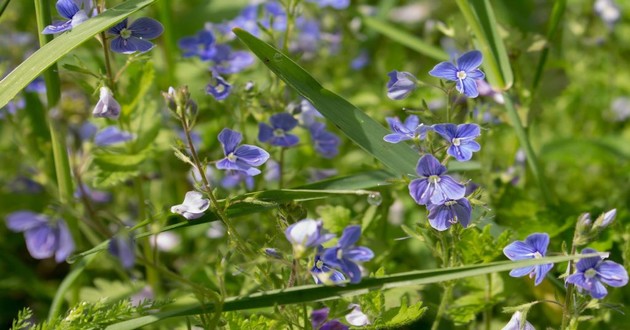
481 246
335 217
234 321
403 316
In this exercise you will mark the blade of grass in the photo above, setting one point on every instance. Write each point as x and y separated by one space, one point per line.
557 13
311 293
50 53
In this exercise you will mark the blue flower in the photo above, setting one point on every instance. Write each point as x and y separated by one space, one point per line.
306 113
218 87
441 217
71 11
336 4
533 247
111 135
134 37
306 234
234 62
122 247
44 238
591 272
234 178
465 72
319 317
400 84
434 186
323 273
462 139
308 39
345 255
240 158
276 134
515 323
326 143
411 129
193 207
12 107
107 106
361 61
201 45
96 196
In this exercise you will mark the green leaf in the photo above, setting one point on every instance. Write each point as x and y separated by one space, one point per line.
405 315
480 17
311 293
105 179
116 162
335 217
46 56
405 38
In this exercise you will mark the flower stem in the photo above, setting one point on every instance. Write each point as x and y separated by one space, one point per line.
281 169
487 313
153 278
108 65
523 138
448 290
568 298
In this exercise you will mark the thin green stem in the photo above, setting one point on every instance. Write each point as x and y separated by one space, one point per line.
153 278
567 312
281 169
169 49
487 313
523 138
108 65
3 6
448 290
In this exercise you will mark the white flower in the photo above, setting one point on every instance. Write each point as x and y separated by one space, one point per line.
356 317
106 106
515 323
193 207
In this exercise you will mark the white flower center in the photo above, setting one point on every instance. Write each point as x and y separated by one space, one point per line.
232 157
456 142
434 179
537 255
319 264
126 33
278 132
590 273
461 75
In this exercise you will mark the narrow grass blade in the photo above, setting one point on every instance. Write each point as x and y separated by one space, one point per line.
310 293
49 54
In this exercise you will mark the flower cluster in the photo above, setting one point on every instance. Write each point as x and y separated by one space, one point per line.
590 274
333 264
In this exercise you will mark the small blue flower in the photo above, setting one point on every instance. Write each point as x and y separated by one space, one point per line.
218 87
591 272
234 62
442 217
409 130
306 234
134 37
533 247
326 143
70 10
276 134
323 273
434 186
193 207
319 317
96 196
107 106
336 4
234 178
608 11
240 158
515 323
462 139
201 45
400 84
44 238
345 255
306 114
361 61
122 246
12 107
308 39
465 72
111 135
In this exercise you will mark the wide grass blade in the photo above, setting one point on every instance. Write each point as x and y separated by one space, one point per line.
50 53
480 17
311 293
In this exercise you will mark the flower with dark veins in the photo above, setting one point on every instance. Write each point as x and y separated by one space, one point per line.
465 71
134 37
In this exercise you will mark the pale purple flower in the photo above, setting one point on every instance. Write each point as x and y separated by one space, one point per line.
277 133
465 71
591 273
357 318
400 84
218 87
345 254
306 234
461 138
336 4
409 130
122 246
96 196
434 186
107 106
134 37
73 13
533 247
240 158
608 11
516 321
442 217
193 207
325 142
111 135
234 178
44 237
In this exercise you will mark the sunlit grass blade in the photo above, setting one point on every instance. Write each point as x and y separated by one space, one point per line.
49 54
405 39
480 17
557 13
311 293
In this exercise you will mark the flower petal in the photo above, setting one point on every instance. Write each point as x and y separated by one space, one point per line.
412 122
146 28
444 70
439 216
25 220
265 132
359 253
251 155
418 191
598 290
428 165
447 189
612 273
539 242
116 29
352 270
41 241
522 271
469 87
447 131
467 131
587 263
475 75
519 250
395 138
470 61
351 235
229 140
65 244
58 27
283 121
130 45
67 8
541 271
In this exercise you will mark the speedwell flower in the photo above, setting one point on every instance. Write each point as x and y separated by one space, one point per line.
240 158
324 273
277 134
409 130
122 246
515 323
325 142
462 139
306 234
193 207
111 135
592 272
70 10
533 247
400 84
434 186
44 237
345 255
442 217
465 72
107 106
218 87
134 37
319 321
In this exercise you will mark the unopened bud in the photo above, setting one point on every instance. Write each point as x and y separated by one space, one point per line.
605 219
